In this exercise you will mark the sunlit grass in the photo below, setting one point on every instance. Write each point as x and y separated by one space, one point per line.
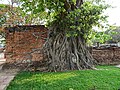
107 78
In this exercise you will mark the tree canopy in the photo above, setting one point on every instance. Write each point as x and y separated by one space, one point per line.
86 14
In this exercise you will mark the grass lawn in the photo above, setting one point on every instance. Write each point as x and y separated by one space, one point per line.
108 78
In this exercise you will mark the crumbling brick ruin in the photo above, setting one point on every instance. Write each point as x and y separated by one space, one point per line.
22 40
107 56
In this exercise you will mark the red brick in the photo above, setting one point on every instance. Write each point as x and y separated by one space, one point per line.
20 42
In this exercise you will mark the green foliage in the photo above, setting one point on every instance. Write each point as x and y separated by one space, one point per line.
87 16
107 78
102 37
111 34
2 16
77 22
2 19
114 32
2 6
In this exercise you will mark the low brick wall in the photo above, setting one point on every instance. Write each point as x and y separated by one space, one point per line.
107 56
21 40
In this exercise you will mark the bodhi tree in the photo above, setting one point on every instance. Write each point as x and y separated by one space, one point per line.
70 24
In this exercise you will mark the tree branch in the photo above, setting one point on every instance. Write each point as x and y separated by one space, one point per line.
79 3
67 5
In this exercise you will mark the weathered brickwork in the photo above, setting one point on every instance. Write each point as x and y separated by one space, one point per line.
21 40
107 56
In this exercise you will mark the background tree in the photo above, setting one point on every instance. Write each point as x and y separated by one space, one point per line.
2 16
114 33
70 25
101 37
11 15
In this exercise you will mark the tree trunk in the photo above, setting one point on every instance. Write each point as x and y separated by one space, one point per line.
67 53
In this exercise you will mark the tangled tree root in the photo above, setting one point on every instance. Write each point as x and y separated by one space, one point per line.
67 53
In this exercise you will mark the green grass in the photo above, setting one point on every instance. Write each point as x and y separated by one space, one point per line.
107 78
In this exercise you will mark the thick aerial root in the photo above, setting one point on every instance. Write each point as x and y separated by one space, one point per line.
67 53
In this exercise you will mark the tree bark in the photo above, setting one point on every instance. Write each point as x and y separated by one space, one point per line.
79 3
67 53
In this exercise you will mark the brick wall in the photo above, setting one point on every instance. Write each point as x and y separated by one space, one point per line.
107 56
21 40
